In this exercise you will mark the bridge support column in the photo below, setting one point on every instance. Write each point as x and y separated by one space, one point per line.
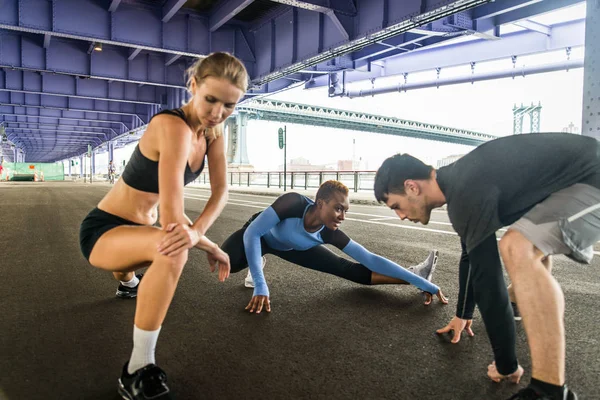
237 153
534 112
81 166
93 161
590 125
111 151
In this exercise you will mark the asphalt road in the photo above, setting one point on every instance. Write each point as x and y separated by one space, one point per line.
65 335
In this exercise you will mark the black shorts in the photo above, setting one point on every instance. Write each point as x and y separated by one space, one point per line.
94 225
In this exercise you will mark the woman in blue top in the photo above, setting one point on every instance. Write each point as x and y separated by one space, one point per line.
295 228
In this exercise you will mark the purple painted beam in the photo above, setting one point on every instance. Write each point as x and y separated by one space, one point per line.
87 20
171 8
47 38
321 40
25 130
133 53
99 130
172 59
70 87
568 34
225 10
132 120
70 57
343 6
114 4
37 113
317 41
336 19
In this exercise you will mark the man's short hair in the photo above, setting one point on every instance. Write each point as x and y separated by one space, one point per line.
327 189
395 171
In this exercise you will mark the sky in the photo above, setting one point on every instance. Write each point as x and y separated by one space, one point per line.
482 106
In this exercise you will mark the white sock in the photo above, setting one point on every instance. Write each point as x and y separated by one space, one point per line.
144 343
132 283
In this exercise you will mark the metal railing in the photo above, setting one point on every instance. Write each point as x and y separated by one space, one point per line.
355 180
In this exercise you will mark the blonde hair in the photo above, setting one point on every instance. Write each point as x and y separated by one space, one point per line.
218 65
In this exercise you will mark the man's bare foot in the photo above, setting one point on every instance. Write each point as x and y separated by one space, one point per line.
496 376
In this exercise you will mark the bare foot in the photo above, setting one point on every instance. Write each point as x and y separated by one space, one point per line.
496 376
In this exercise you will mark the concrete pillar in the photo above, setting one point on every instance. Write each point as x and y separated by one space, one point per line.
590 125
237 152
111 151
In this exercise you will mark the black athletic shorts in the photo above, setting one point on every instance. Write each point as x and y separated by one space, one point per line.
94 225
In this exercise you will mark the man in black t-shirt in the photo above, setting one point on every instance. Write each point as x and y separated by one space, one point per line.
546 187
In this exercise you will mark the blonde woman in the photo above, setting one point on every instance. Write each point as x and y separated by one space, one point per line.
118 235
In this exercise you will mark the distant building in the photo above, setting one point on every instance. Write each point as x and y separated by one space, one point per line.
303 164
350 165
571 129
448 160
345 165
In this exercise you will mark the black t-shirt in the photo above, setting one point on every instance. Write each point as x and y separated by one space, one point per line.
493 186
498 182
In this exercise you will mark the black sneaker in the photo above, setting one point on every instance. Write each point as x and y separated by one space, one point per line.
516 312
146 383
530 393
124 292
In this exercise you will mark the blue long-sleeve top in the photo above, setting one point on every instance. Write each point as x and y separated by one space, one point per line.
281 225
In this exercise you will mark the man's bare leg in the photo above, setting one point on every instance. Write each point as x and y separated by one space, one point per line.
541 303
547 261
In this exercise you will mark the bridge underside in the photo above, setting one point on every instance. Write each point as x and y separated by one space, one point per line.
75 73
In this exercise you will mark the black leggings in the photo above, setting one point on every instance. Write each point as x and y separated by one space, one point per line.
318 258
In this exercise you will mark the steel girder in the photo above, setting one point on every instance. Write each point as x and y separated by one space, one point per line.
58 127
271 50
89 122
126 120
140 68
78 88
71 57
565 35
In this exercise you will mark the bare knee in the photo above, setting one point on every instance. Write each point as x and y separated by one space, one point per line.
517 251
176 262
173 262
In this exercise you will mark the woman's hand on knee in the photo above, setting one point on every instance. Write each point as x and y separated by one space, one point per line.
257 303
179 237
218 258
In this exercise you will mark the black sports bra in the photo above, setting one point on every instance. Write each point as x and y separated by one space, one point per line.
141 173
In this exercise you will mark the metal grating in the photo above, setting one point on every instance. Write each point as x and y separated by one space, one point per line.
591 80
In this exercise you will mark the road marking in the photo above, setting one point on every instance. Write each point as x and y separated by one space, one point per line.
403 226
256 204
381 219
